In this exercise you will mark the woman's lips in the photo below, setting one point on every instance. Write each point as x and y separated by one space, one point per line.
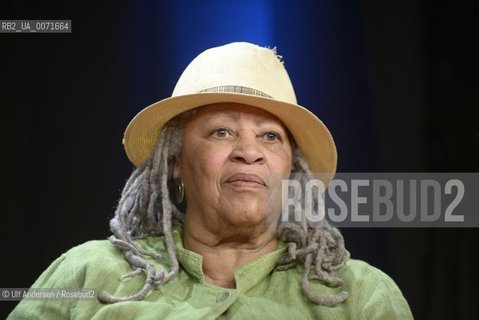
246 180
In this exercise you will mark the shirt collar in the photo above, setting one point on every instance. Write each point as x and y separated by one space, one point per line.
246 277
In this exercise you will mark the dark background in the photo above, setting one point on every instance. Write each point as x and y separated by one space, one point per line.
395 81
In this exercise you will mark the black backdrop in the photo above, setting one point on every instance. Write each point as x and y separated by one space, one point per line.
395 81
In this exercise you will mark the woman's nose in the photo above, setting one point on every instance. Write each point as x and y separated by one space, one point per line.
247 149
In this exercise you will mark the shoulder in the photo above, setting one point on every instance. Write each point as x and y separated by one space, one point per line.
97 259
95 254
99 249
358 275
104 254
362 273
373 292
94 265
92 249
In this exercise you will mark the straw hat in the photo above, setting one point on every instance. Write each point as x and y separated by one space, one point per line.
243 73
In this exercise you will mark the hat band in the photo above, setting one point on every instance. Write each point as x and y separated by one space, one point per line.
237 89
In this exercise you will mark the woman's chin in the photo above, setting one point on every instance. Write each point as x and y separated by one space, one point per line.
245 210
250 220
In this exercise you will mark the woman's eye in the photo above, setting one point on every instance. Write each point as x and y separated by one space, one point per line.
271 137
221 133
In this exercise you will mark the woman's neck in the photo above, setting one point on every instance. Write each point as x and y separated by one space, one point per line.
224 252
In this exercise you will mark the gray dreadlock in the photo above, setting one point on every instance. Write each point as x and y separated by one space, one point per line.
145 209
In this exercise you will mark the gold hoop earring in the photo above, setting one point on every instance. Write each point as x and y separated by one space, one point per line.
179 190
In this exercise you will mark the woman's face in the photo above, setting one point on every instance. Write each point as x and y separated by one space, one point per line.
233 160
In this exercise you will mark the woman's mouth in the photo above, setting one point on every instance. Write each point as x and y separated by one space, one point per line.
246 180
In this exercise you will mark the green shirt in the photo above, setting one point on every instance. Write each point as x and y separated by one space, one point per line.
261 292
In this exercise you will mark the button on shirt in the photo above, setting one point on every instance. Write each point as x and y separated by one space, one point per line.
261 292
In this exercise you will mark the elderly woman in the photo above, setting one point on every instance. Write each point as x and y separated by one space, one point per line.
199 231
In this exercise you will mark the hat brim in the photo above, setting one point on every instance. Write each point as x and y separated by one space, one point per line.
311 135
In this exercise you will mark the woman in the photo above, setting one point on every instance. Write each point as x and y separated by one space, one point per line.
199 231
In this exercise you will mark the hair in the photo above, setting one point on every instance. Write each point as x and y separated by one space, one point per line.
145 209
